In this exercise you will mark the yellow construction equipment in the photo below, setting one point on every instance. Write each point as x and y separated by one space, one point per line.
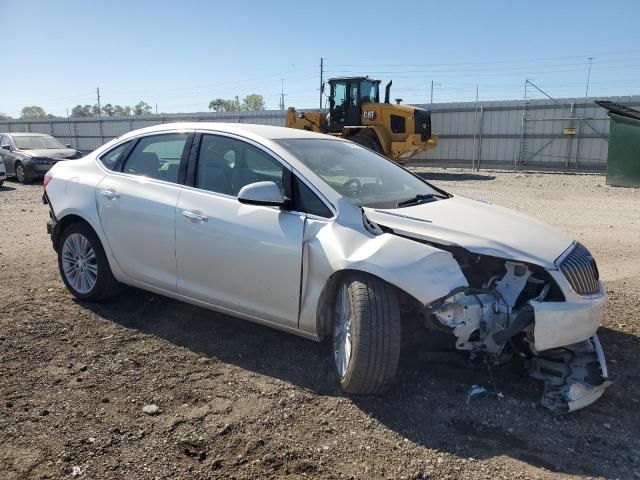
356 113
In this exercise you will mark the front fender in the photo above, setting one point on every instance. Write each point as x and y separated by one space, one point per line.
422 271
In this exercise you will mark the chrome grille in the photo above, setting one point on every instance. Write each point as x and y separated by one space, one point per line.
581 271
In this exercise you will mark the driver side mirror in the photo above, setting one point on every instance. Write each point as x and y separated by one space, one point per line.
6 147
262 193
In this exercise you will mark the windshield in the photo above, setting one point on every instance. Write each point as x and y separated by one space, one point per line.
28 142
367 178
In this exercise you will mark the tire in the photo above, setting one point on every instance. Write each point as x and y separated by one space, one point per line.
374 333
70 243
367 141
21 175
1 183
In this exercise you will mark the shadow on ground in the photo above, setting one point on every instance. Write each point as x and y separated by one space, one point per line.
451 176
428 402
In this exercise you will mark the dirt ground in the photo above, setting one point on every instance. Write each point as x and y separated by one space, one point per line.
237 400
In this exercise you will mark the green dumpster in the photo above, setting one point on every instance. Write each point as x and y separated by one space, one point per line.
623 164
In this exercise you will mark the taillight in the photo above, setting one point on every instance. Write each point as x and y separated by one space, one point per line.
47 178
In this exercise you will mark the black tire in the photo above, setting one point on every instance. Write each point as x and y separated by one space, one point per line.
375 334
367 141
21 175
105 285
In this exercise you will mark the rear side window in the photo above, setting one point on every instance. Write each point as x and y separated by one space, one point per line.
110 158
157 156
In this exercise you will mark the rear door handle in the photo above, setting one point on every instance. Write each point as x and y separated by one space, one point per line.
110 194
194 216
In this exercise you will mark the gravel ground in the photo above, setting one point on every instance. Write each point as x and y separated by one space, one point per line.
236 400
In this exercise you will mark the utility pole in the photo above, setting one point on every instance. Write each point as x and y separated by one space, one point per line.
586 93
99 107
432 84
282 94
321 81
156 108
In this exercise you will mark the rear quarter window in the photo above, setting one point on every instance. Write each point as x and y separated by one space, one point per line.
110 158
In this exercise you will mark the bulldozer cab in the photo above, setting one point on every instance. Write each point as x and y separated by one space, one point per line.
347 94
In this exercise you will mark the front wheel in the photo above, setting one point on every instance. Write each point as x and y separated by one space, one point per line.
21 175
83 264
366 333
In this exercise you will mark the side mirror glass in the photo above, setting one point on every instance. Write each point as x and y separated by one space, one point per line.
262 193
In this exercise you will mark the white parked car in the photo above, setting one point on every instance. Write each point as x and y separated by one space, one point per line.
3 172
321 237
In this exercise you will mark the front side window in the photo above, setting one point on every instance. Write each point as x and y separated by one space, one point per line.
225 165
157 156
369 91
365 177
36 142
4 141
110 158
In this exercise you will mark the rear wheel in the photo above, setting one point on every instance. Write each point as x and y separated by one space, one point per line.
366 333
367 141
21 175
83 264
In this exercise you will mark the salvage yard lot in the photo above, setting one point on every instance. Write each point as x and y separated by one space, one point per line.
240 400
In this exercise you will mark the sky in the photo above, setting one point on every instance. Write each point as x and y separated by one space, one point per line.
179 55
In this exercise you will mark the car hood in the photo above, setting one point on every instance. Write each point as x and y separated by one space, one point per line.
479 227
57 153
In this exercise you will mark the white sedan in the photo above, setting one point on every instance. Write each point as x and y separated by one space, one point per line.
321 237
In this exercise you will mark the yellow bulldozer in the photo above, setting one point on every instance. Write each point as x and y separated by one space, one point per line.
356 113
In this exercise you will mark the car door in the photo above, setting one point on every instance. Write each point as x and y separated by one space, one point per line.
136 205
242 258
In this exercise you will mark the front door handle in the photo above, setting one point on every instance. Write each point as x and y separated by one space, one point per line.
194 216
110 194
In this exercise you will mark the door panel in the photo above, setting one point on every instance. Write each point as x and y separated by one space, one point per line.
242 257
138 218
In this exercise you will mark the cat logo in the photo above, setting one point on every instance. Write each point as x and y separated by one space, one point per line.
369 114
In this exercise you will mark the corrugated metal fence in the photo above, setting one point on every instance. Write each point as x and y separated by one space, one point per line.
563 134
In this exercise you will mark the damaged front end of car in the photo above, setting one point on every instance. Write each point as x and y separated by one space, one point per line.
514 308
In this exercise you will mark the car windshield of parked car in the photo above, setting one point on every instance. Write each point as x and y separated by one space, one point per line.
367 178
28 142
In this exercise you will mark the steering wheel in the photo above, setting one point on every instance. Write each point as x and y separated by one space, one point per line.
353 181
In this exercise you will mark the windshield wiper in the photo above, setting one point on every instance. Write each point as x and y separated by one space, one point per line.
420 198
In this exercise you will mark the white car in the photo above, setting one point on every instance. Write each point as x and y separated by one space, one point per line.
3 172
321 237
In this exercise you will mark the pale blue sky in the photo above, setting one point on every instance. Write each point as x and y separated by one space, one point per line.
181 54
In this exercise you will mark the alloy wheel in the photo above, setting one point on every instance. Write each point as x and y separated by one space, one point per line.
79 263
342 330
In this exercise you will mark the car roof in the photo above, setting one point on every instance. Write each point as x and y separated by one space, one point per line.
269 132
25 134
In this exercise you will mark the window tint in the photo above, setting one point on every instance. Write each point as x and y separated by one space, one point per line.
225 165
110 158
157 157
4 140
304 200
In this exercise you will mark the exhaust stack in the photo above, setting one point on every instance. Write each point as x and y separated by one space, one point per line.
387 91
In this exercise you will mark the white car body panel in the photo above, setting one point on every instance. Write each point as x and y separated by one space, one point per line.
480 228
3 171
273 266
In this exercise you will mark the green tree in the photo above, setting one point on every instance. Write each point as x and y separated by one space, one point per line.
222 105
81 111
4 116
32 112
253 103
95 111
120 111
108 110
142 108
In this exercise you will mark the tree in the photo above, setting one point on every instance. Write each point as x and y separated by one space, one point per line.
108 110
222 105
4 116
120 111
142 108
253 103
32 112
81 111
95 111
